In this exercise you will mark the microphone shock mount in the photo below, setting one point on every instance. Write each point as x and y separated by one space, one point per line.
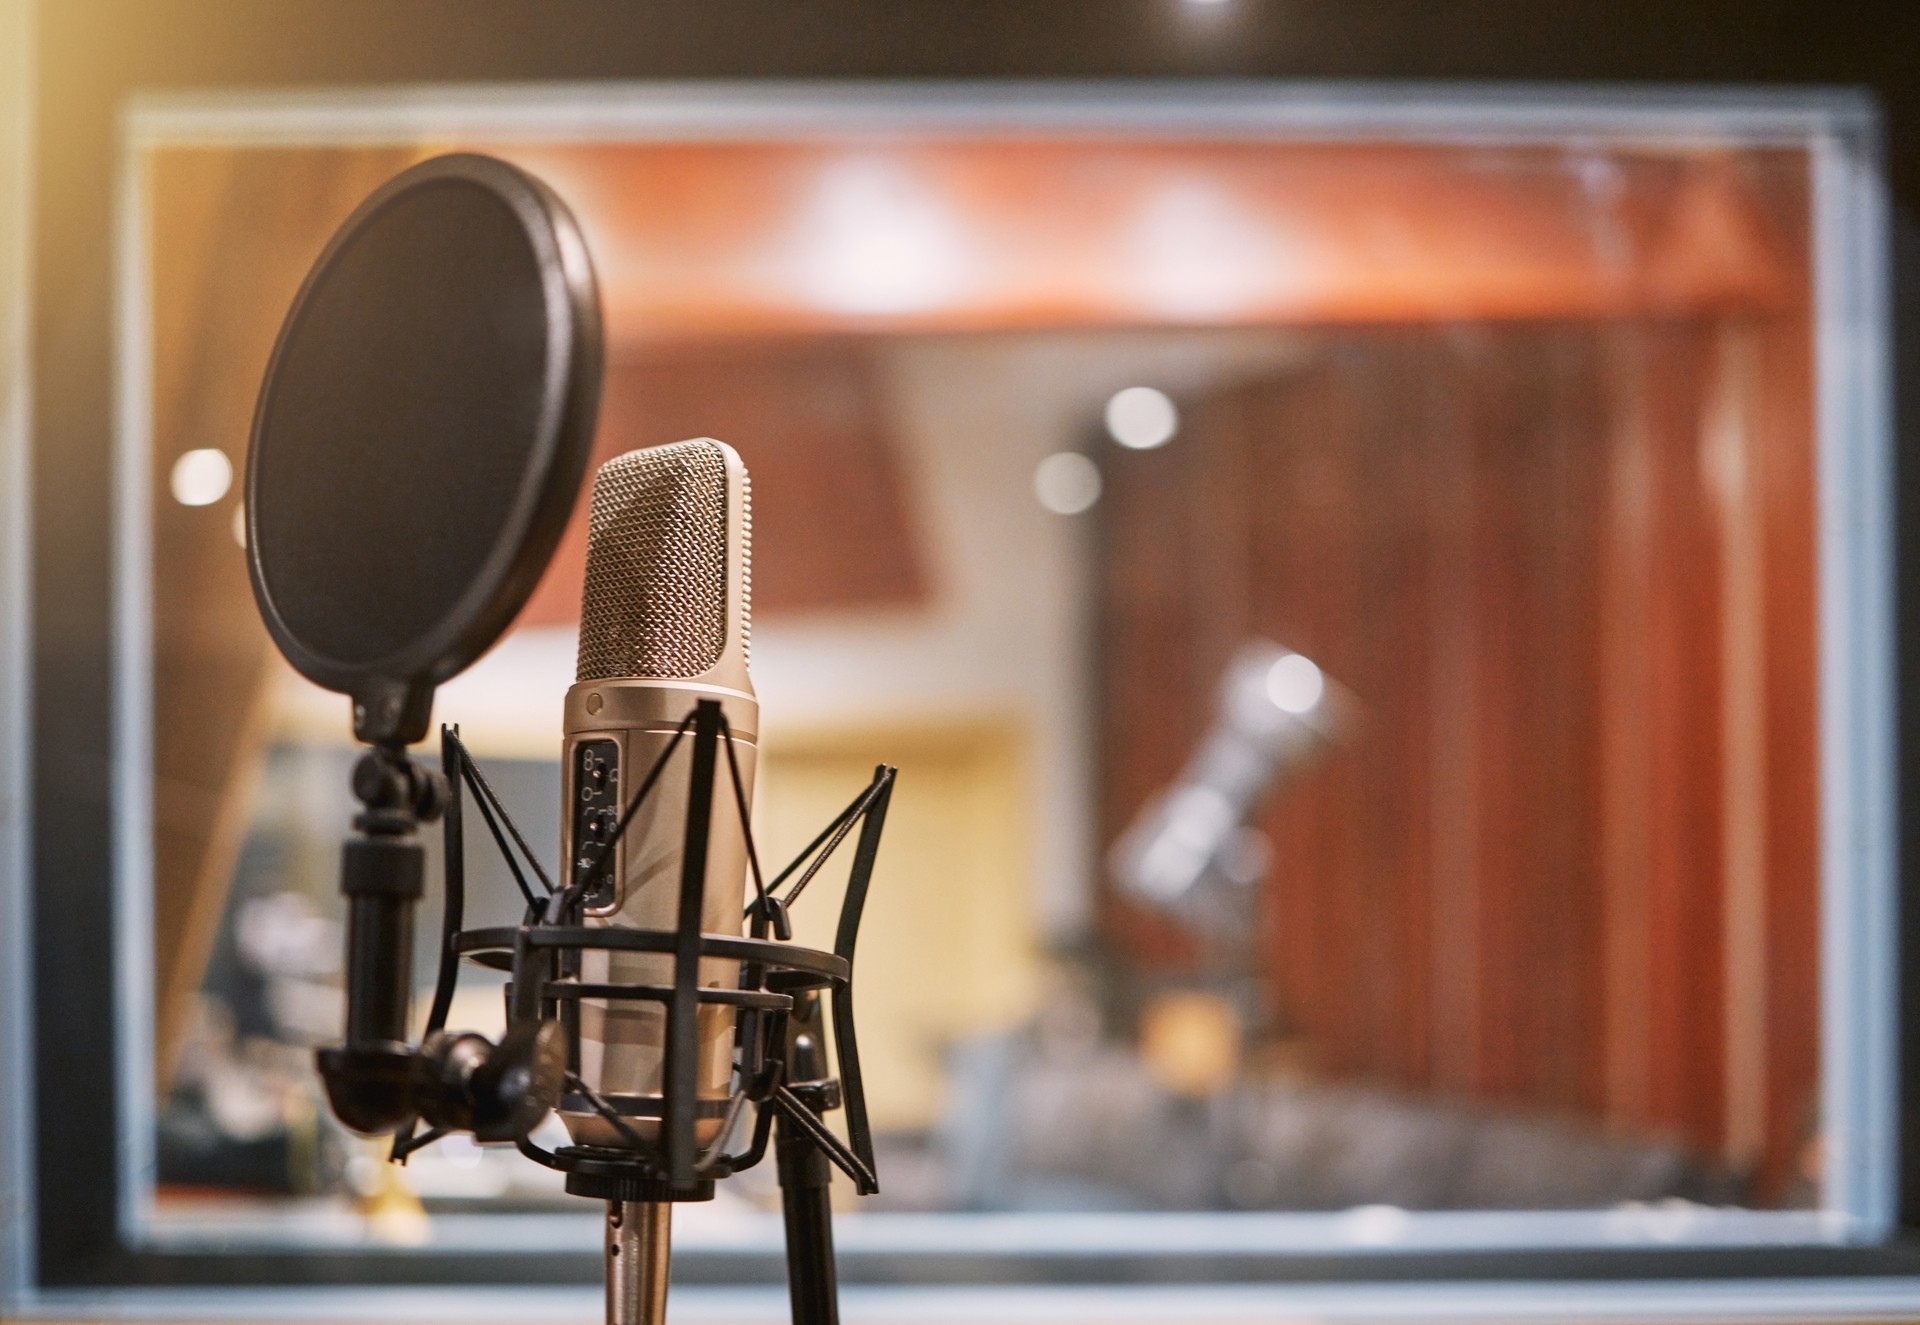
783 1080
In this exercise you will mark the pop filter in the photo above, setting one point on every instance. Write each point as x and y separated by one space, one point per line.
421 434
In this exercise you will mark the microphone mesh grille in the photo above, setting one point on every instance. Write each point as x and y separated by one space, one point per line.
746 567
654 603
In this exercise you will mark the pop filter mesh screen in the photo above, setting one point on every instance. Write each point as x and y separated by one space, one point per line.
402 416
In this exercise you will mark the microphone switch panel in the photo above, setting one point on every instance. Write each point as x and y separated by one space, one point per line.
596 813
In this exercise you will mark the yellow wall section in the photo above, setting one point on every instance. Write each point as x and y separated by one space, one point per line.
948 946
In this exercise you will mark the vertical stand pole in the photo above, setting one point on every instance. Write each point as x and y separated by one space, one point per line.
805 1199
638 1251
806 1177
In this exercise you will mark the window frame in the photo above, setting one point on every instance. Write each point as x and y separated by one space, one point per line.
94 1250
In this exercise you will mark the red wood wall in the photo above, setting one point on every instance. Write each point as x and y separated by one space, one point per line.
1564 857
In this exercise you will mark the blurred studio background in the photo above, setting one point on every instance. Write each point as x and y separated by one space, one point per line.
1051 437
1355 576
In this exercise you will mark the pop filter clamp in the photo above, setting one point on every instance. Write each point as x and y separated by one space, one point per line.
420 439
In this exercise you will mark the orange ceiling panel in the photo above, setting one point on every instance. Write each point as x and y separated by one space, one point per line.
776 238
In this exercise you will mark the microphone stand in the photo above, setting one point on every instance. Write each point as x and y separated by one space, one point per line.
638 1257
638 1242
785 1078
806 1176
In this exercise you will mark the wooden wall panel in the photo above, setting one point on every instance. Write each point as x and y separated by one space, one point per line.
832 526
1784 485
232 237
1515 546
1660 636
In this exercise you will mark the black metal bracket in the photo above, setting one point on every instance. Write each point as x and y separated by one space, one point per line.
543 952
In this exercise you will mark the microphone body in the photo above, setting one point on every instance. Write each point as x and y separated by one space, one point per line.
664 624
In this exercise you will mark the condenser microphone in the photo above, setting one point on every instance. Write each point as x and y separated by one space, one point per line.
664 624
1274 712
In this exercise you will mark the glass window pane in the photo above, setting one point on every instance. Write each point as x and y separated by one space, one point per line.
1348 615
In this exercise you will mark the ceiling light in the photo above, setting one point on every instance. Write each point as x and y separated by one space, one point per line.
1141 418
1067 483
875 238
201 477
